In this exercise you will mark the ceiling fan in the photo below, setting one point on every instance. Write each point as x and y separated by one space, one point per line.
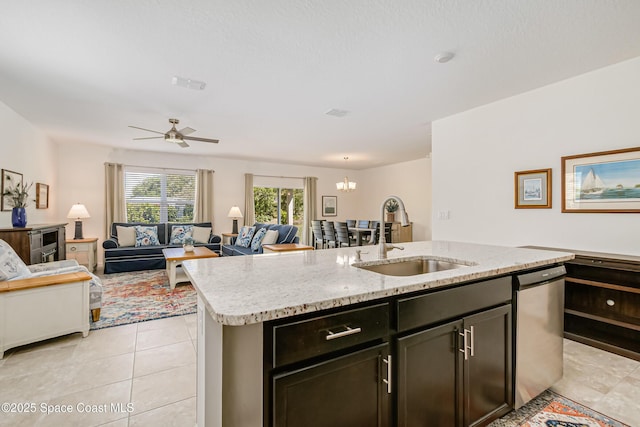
176 136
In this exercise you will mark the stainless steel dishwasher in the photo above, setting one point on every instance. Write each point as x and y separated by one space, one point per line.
539 329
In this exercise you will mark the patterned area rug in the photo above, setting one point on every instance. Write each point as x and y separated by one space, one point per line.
141 296
552 410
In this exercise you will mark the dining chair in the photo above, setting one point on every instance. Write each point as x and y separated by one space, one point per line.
318 238
342 234
351 223
329 233
375 238
363 223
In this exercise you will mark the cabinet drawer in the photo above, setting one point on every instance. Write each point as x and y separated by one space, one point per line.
435 307
308 338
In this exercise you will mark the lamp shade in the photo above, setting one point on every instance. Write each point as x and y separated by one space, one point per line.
78 211
234 212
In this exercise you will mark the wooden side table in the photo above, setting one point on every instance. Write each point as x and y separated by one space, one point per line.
226 238
285 247
84 251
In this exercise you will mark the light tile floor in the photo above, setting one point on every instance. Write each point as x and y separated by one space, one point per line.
151 367
134 375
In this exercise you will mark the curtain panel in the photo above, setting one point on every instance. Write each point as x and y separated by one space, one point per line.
115 206
203 209
249 208
310 208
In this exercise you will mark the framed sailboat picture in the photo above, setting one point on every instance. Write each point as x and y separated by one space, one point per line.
605 182
533 189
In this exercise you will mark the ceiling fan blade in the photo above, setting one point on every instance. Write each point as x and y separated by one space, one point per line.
187 131
149 137
183 144
148 130
193 138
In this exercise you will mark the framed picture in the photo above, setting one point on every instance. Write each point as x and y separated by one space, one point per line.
604 182
533 189
329 205
42 196
9 180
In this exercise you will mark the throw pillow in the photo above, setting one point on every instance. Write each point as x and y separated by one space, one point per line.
126 235
201 234
244 236
11 265
179 233
146 235
270 237
256 242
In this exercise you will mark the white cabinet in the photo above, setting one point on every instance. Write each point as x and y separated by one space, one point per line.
84 251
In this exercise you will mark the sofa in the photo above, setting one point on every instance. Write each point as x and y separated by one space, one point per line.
250 239
145 252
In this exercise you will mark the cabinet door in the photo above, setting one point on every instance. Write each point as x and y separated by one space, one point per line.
488 366
429 377
345 391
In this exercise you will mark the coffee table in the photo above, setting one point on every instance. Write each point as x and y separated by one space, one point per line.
175 256
285 247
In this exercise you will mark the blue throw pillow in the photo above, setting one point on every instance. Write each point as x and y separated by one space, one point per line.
146 236
179 233
256 242
244 236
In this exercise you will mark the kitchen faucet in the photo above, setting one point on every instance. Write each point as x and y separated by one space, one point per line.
404 219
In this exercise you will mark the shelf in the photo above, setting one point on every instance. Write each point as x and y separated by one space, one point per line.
623 322
602 285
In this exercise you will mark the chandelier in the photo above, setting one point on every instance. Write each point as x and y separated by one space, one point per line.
346 185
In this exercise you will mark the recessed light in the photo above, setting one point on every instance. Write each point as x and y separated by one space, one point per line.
443 57
337 113
188 83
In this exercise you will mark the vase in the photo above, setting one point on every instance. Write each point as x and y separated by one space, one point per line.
19 217
188 248
391 216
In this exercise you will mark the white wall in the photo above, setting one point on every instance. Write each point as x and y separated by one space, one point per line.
476 153
411 181
81 174
26 150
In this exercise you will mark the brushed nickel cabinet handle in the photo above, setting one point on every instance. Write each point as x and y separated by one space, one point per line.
388 380
346 332
465 345
472 334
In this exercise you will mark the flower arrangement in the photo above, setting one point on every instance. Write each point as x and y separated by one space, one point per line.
18 195
391 206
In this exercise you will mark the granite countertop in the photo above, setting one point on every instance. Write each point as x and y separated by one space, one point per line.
243 290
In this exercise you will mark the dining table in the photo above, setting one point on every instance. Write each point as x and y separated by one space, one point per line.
359 231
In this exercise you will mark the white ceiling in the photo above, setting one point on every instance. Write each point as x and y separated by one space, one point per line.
82 71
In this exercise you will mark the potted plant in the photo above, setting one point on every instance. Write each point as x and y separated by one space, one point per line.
391 207
188 244
16 197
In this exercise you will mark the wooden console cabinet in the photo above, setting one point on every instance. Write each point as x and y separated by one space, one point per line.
401 234
602 302
37 243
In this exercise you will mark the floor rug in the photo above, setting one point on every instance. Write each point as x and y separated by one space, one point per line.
140 296
552 410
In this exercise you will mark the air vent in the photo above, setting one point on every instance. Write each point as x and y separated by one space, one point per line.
188 83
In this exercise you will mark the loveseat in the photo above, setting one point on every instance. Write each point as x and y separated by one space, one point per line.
145 252
251 239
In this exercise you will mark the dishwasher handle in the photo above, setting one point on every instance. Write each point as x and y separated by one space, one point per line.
540 276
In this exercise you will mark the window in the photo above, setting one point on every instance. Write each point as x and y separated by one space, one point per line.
279 200
153 195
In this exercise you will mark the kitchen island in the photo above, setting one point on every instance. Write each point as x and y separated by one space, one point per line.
243 302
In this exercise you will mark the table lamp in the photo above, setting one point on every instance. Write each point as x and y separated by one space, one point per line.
235 213
79 212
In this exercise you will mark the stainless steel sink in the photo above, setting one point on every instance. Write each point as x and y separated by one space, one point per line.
410 266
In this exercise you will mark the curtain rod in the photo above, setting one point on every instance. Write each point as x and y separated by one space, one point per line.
275 176
155 167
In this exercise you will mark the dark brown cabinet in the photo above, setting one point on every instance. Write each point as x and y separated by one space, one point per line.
438 358
37 243
345 391
457 374
602 302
